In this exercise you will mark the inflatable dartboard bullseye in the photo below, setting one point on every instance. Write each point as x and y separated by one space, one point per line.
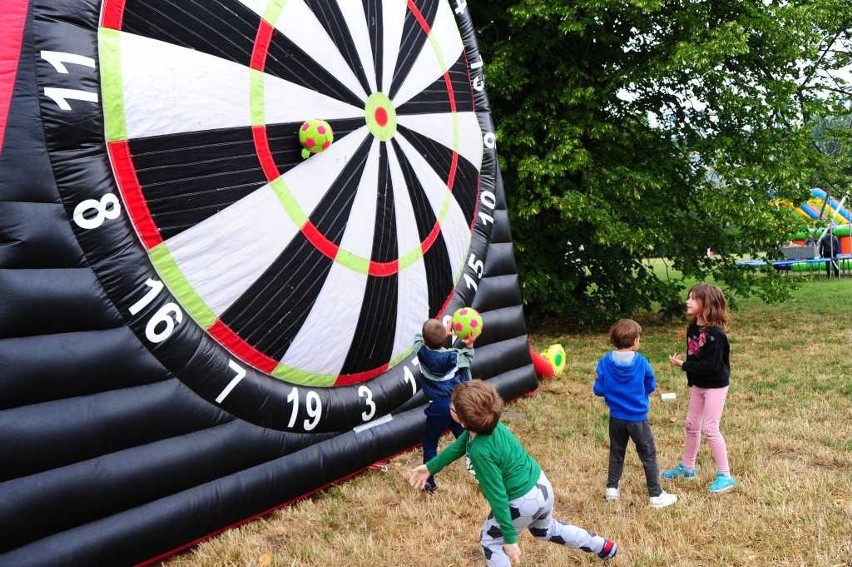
247 269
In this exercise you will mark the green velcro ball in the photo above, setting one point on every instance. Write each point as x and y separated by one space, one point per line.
315 135
467 322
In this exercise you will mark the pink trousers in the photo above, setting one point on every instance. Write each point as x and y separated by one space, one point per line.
704 412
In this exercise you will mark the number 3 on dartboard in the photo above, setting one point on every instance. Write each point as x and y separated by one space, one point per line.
162 324
365 392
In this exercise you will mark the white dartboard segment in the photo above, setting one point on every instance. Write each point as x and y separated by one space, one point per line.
309 181
393 19
353 13
299 24
441 50
161 81
222 256
457 131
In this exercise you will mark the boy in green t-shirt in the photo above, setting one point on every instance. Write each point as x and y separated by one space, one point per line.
510 479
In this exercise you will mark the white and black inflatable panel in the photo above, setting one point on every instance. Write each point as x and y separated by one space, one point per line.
197 325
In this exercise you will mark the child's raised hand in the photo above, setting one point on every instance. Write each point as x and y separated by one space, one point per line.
513 550
676 360
468 342
418 477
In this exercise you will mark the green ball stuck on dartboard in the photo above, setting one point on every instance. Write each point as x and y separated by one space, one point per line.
467 322
315 135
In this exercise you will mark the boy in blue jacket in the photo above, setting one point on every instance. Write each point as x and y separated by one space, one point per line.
625 380
441 370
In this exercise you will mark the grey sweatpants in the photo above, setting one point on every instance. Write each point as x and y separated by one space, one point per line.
534 510
640 431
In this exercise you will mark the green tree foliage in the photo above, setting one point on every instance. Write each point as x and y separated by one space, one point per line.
638 129
833 136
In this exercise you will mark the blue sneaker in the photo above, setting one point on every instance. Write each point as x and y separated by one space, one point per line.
678 471
722 483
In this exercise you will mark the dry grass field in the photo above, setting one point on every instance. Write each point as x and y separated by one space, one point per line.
788 425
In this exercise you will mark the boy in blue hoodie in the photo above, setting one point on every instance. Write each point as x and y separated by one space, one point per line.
441 369
625 380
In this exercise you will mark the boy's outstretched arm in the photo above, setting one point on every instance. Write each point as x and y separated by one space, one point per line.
418 477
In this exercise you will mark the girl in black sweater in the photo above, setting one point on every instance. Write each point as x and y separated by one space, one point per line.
708 373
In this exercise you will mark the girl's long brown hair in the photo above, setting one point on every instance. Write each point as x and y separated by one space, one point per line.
714 307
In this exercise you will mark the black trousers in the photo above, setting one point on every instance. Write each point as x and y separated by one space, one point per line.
831 266
640 432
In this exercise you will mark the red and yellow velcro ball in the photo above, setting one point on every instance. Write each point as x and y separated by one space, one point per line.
556 356
315 136
467 322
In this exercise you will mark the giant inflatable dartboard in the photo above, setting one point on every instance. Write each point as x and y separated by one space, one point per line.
315 272
200 324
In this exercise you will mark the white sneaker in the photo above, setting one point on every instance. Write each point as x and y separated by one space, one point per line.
663 500
611 494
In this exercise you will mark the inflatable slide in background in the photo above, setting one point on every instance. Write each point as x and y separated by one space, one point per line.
197 325
822 207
